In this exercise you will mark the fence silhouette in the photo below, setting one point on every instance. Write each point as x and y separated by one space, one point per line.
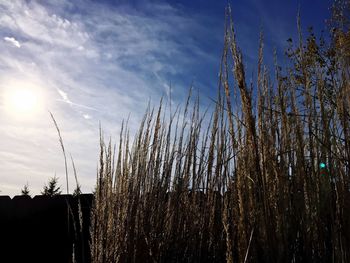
44 229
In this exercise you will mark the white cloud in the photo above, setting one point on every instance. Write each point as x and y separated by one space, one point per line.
13 41
64 96
87 116
97 64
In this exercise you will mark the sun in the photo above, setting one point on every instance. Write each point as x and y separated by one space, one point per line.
22 99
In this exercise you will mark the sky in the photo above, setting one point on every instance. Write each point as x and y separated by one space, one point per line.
94 63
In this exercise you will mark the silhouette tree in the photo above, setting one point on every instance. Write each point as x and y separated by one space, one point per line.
52 189
25 190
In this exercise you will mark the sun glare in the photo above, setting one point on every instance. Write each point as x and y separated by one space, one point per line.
22 100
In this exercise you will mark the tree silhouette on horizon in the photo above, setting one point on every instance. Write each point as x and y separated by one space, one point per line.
52 189
25 191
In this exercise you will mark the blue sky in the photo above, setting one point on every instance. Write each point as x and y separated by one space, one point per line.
99 61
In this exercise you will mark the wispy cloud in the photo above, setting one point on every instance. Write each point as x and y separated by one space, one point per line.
12 41
64 96
93 63
87 116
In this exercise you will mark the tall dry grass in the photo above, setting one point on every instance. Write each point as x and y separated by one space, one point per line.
247 186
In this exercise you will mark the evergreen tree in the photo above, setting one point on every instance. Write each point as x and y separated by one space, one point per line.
52 189
25 190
